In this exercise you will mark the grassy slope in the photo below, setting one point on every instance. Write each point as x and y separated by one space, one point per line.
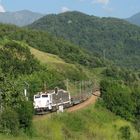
91 123
46 57
53 61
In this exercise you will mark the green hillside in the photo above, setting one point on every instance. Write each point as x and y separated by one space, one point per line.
47 43
55 62
38 61
111 38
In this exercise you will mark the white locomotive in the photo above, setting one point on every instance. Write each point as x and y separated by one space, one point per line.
51 100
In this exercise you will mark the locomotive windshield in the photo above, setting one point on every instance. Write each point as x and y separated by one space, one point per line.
37 96
44 96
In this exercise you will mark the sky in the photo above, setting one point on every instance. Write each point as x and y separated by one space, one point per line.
101 8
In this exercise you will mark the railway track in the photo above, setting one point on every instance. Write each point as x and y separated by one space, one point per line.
89 101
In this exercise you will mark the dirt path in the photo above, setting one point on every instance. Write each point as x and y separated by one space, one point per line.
91 100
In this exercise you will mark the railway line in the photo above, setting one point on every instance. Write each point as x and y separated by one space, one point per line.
91 100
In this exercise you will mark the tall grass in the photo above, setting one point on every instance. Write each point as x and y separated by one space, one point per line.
92 123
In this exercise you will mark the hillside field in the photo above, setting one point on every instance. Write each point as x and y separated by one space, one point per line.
94 122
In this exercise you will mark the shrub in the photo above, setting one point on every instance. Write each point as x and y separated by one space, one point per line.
25 112
137 124
118 99
9 123
17 59
125 133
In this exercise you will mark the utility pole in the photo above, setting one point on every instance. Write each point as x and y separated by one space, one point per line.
25 89
0 101
80 89
104 54
67 84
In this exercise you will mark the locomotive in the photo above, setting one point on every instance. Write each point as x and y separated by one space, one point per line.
51 100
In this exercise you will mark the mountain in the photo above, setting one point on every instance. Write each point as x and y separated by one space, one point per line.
135 19
111 38
19 18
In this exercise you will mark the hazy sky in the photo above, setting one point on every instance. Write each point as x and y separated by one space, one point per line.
113 8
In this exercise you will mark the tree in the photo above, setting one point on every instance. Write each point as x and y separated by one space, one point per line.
25 111
117 98
17 59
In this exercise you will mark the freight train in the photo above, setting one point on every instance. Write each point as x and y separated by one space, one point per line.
52 100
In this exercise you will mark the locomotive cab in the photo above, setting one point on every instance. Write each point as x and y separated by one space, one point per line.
42 102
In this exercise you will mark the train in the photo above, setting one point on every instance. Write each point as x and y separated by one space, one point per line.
54 99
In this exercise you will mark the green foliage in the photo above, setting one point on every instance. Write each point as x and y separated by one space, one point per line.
136 99
125 133
9 123
128 76
25 112
43 80
16 59
117 98
19 111
45 42
137 124
11 93
112 38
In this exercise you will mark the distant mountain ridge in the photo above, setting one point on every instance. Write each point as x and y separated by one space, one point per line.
135 19
19 18
111 38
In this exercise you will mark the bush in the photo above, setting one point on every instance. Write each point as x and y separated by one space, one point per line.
17 59
125 133
25 112
137 124
117 98
9 123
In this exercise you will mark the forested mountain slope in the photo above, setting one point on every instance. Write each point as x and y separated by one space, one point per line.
111 38
46 42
